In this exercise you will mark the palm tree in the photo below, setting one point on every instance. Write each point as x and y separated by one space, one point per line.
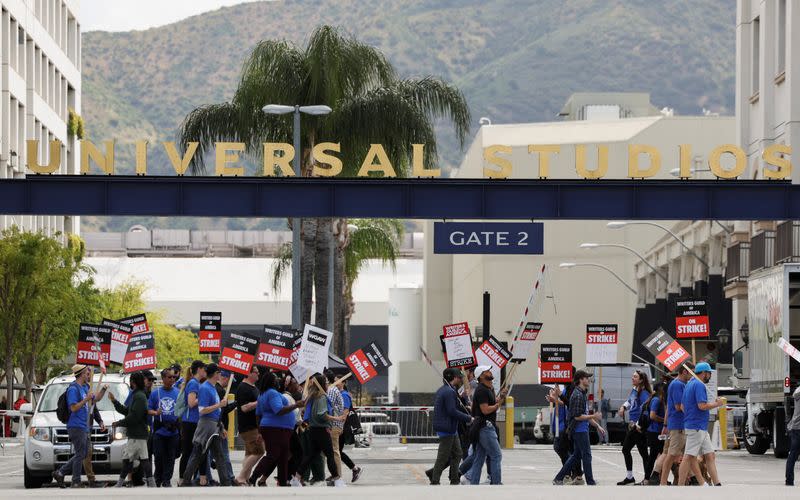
367 239
370 104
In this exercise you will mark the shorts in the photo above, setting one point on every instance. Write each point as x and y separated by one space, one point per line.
135 449
698 443
252 445
677 443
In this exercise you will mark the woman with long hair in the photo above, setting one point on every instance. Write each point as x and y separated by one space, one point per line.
656 406
640 393
276 425
319 427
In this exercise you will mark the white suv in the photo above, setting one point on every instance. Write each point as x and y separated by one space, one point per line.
47 444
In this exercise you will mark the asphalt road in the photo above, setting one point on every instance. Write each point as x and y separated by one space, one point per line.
402 467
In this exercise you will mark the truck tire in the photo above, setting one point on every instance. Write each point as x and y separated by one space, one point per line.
755 444
780 441
30 480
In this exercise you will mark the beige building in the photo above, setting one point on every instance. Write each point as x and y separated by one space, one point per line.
453 285
40 82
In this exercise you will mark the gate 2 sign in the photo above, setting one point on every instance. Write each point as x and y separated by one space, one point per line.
509 238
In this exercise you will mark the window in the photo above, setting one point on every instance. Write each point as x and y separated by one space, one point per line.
756 55
781 39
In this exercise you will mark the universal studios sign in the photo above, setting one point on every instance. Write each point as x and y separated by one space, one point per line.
643 160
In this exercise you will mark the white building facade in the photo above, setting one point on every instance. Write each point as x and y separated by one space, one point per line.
40 84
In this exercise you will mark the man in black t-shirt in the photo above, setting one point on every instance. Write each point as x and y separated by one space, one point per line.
246 401
487 446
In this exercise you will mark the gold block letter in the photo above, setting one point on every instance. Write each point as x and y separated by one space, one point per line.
544 157
716 166
283 162
504 164
334 164
383 165
686 161
771 157
104 161
418 163
634 150
228 152
141 157
580 162
33 157
180 164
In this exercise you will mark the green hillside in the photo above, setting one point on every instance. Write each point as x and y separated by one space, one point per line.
515 60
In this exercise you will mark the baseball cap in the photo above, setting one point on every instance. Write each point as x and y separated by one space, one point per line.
224 373
148 375
703 367
479 370
77 368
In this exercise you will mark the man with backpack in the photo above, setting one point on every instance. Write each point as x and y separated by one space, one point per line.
76 402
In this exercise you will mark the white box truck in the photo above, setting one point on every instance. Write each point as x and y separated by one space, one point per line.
773 311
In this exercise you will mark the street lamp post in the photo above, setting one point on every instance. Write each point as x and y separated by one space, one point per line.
281 109
621 224
634 252
570 265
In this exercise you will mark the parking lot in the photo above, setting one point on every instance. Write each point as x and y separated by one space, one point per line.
404 465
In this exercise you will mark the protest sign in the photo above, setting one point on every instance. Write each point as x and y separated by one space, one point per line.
494 355
523 346
275 349
94 345
313 354
141 353
666 349
691 318
367 362
789 349
238 352
137 322
298 373
601 344
457 343
556 364
210 334
120 332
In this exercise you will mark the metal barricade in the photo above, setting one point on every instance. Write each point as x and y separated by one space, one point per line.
395 424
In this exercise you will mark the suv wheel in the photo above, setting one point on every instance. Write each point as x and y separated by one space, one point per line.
32 481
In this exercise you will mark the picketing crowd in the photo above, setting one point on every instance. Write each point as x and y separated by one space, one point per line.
668 425
286 429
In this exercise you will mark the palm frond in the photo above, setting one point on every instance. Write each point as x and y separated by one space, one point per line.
372 239
282 263
207 125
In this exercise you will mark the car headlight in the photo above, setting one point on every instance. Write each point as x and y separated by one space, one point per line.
40 433
120 433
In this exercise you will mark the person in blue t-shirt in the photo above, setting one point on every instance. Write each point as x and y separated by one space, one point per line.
79 397
191 416
695 422
654 444
639 395
276 425
674 423
165 431
579 419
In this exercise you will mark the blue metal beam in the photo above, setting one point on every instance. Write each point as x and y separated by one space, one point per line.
399 198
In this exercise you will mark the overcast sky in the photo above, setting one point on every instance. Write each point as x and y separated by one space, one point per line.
126 15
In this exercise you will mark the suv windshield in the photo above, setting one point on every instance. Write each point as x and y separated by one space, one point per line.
49 400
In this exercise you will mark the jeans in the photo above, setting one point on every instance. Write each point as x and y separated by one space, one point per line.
794 453
320 443
316 471
198 456
226 456
164 448
583 453
604 425
487 447
79 438
448 455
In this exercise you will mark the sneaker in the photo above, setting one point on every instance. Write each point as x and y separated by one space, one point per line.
567 480
428 474
295 482
120 483
166 484
591 483
578 481
557 482
626 481
58 477
357 474
151 483
464 481
339 483
76 485
95 484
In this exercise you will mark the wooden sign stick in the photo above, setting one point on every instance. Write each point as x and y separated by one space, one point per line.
230 383
342 379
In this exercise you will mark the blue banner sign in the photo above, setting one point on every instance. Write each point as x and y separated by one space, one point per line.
509 238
